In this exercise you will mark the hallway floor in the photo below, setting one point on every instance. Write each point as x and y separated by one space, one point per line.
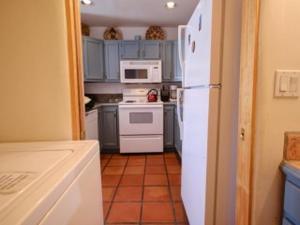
142 189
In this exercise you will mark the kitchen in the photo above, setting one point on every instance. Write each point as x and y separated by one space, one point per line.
55 180
145 185
134 83
132 87
161 62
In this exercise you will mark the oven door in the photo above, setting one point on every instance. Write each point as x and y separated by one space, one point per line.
140 119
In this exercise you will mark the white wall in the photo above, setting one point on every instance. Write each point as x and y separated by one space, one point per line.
34 74
129 32
279 48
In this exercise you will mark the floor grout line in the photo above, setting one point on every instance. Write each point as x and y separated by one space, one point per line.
143 191
170 192
143 186
102 170
116 190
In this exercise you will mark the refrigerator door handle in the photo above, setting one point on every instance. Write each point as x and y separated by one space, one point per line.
210 86
180 93
181 28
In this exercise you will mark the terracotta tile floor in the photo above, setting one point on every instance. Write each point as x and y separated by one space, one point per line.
142 189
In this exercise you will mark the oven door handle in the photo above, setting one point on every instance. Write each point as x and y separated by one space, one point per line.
140 106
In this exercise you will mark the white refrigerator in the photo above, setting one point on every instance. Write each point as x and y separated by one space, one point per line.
198 107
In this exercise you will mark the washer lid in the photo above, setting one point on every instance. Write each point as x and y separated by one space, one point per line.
33 176
19 169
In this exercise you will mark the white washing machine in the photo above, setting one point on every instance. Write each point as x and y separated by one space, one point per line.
50 183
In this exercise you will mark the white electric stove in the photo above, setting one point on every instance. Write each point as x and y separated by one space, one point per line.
140 122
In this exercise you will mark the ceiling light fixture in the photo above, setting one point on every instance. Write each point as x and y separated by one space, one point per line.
170 5
86 2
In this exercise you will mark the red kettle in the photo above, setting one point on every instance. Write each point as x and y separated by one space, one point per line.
152 95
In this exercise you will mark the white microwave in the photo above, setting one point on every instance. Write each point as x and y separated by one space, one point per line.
142 71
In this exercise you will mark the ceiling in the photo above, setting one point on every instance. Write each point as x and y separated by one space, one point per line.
136 13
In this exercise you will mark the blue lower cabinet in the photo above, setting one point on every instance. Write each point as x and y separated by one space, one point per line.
291 208
109 128
169 126
286 222
172 139
178 142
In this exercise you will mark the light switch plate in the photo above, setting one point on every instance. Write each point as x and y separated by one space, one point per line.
287 84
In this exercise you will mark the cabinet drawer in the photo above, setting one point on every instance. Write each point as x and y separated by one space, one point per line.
141 144
292 202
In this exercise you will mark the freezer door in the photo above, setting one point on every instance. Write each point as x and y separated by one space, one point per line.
198 46
195 154
182 42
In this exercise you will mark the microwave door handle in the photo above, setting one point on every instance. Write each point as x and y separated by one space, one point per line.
181 28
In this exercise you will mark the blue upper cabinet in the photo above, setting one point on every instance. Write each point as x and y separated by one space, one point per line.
168 67
93 59
112 61
150 50
130 50
176 64
171 67
141 50
102 58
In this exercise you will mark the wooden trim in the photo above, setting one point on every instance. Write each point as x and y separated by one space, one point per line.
75 68
248 77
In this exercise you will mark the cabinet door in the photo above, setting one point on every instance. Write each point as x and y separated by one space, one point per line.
286 222
112 60
178 142
109 127
130 49
93 59
176 65
169 126
150 50
292 201
168 61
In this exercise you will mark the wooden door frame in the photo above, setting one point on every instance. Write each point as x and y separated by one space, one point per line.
248 77
74 39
